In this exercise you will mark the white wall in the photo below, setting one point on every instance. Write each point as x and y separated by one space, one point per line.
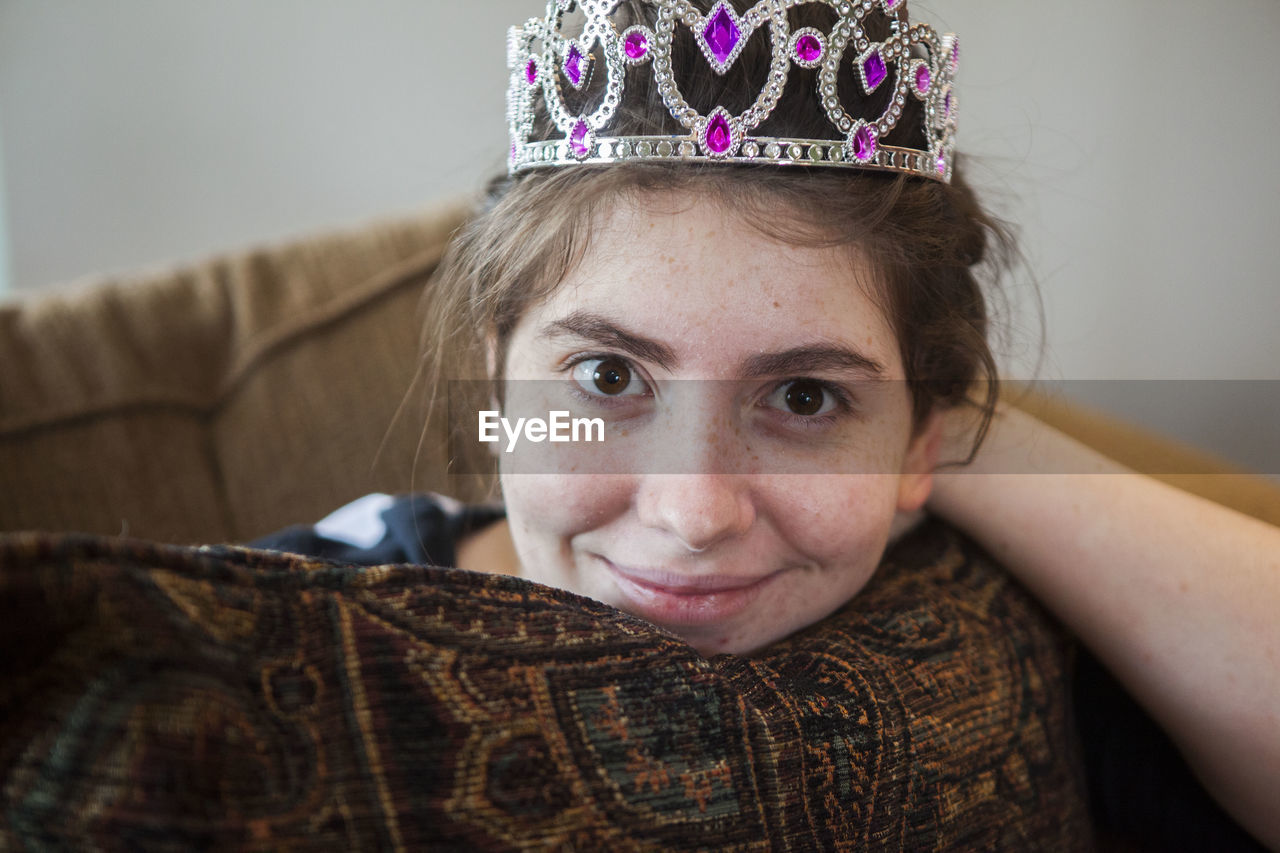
4 227
144 130
1132 142
1138 142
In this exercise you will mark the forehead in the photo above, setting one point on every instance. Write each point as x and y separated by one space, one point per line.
691 272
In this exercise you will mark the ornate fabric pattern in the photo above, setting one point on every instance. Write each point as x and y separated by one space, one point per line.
156 697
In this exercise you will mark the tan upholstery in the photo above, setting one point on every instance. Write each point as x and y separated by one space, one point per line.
225 400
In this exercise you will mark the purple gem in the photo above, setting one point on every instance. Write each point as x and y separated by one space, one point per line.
864 144
942 164
719 134
889 4
573 65
923 79
531 72
955 55
808 48
578 139
722 34
946 105
875 71
637 45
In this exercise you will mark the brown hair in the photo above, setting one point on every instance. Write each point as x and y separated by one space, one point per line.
929 243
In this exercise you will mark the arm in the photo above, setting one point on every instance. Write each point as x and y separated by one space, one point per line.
1179 596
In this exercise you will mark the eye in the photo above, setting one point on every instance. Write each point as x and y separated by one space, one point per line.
806 398
609 377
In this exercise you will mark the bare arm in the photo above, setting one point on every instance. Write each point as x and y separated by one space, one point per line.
1179 596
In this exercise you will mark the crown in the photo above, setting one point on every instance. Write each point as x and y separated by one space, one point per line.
912 62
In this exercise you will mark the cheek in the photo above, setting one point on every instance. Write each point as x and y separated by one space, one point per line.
838 520
547 508
840 525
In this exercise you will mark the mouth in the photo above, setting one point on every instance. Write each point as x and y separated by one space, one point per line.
675 600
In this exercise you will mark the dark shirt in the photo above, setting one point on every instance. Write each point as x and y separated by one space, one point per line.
379 530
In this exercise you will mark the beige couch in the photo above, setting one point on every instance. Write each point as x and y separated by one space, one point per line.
223 400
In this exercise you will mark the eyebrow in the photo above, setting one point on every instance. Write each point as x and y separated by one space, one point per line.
812 359
597 329
799 360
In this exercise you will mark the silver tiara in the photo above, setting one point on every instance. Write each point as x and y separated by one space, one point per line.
914 60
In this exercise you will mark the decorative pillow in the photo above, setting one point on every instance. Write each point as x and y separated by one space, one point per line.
176 698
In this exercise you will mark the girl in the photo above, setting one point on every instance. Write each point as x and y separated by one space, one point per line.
740 240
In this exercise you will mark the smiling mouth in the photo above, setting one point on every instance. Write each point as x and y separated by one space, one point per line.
673 600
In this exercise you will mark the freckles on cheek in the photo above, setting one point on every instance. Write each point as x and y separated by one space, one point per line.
562 504
837 500
840 518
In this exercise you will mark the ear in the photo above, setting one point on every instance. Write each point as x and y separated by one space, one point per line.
916 481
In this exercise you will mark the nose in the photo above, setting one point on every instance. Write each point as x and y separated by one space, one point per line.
700 510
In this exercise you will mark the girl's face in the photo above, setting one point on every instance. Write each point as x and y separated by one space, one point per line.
758 444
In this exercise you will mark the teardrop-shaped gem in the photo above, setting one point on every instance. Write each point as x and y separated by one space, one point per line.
580 140
531 71
719 135
863 143
719 139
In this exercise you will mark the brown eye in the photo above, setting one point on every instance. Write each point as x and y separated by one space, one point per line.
612 376
805 398
609 376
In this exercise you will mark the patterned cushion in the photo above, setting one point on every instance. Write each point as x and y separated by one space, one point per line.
162 697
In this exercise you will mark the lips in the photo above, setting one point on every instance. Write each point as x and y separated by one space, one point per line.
681 600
